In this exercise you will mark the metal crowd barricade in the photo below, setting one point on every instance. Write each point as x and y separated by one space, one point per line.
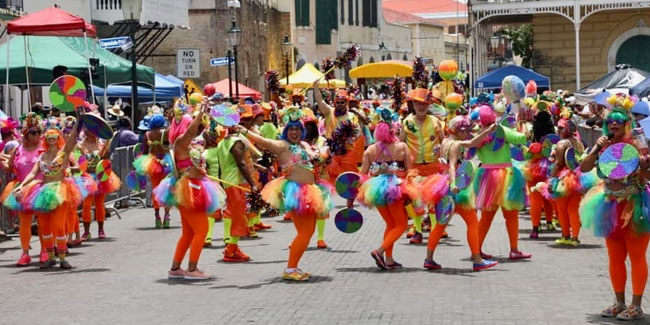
122 162
589 135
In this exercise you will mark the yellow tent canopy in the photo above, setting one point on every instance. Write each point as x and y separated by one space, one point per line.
383 69
306 76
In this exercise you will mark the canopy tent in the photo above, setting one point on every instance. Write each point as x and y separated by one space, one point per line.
165 89
51 21
44 53
383 69
619 80
494 78
306 75
642 89
222 87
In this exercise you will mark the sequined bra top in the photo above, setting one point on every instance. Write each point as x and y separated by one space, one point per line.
389 166
160 142
53 167
299 157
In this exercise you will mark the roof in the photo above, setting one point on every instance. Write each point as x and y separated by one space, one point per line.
51 21
400 17
418 7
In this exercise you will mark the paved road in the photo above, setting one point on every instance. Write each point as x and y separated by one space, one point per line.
123 280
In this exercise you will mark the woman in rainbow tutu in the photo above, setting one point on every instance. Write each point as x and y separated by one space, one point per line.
300 193
618 208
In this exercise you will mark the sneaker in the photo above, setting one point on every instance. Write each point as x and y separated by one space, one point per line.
296 275
519 255
394 266
410 233
43 257
416 239
197 275
534 235
287 217
431 265
262 226
236 256
207 243
74 243
65 265
47 264
444 235
166 223
573 242
555 224
633 312
86 236
158 223
101 234
550 226
252 233
613 310
176 274
24 260
563 241
379 260
484 266
321 244
486 256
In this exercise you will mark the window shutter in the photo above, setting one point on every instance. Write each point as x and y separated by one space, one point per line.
373 13
366 13
350 11
343 12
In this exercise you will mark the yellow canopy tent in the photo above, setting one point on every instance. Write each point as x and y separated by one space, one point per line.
383 69
306 76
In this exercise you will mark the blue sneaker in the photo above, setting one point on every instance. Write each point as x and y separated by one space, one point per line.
431 265
485 265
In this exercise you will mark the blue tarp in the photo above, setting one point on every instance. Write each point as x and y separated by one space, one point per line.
642 89
494 78
165 89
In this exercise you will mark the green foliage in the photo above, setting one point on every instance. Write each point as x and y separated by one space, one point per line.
522 42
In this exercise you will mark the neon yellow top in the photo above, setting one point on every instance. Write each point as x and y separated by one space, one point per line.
227 165
423 141
212 160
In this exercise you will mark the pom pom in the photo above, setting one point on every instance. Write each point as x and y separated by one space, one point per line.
344 134
397 93
486 115
420 73
347 57
326 66
255 203
272 81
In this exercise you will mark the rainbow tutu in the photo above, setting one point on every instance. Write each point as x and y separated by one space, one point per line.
153 166
110 185
385 189
567 182
499 187
537 170
199 194
45 197
605 214
302 199
8 198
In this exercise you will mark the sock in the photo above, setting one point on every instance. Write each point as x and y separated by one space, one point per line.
62 257
417 223
208 237
227 222
257 219
289 269
233 240
50 253
320 227
432 218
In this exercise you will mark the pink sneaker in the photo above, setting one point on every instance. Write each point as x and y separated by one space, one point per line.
43 257
197 275
519 255
176 274
24 260
101 234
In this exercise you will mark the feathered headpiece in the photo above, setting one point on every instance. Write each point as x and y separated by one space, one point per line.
420 73
621 112
272 81
8 125
30 120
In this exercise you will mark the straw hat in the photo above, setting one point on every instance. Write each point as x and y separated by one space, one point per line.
115 110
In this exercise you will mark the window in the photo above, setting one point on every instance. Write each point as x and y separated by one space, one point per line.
366 13
302 12
373 13
356 12
461 29
326 20
350 10
452 29
343 12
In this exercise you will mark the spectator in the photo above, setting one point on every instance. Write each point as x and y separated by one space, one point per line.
124 137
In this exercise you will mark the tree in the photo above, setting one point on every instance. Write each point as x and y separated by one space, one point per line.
522 42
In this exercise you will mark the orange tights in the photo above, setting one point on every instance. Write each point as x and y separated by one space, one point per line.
537 203
305 226
471 220
194 225
396 222
567 208
53 228
72 223
25 230
620 245
236 211
100 210
512 225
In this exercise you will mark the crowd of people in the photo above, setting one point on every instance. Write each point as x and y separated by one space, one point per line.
283 156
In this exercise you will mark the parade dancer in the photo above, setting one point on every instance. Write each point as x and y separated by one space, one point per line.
435 186
194 194
498 184
212 135
155 161
317 143
299 193
618 210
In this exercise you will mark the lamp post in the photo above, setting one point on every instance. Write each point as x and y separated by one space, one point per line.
287 47
131 10
234 39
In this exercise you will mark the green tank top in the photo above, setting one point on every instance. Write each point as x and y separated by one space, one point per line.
212 160
269 131
227 165
501 156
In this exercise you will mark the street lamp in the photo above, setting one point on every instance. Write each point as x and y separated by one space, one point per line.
234 38
287 47
494 43
131 10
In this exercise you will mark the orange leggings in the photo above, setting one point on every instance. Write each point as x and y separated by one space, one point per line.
236 211
72 223
155 180
621 244
25 229
53 228
567 208
396 222
512 225
194 224
305 226
342 164
471 220
537 203
100 210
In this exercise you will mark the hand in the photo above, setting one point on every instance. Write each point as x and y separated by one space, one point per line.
602 142
455 189
254 189
316 84
350 203
18 191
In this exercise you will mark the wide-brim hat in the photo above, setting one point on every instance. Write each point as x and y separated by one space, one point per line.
115 110
421 95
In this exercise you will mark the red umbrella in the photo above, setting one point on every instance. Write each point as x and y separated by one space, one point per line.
222 87
51 22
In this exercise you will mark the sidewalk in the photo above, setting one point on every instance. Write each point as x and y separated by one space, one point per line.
122 280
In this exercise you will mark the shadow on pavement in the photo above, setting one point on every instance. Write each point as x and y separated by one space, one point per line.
374 269
581 246
173 282
597 319
329 250
58 270
540 239
157 229
267 262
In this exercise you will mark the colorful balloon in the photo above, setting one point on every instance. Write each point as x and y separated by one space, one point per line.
531 88
453 101
448 69
513 88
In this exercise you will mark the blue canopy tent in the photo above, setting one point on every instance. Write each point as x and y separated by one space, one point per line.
494 78
642 89
164 89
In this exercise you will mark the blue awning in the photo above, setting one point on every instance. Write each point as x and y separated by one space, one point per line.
165 89
494 78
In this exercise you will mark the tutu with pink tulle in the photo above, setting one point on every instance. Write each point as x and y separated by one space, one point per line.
499 187
286 195
385 189
198 194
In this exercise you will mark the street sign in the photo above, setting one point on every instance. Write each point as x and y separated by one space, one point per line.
188 63
215 62
190 87
114 42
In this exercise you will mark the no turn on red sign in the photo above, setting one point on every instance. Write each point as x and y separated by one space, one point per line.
188 63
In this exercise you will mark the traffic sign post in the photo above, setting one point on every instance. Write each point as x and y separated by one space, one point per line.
215 62
114 42
188 63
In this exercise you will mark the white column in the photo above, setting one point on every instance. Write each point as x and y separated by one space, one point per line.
577 29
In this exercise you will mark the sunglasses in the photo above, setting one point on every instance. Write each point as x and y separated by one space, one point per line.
615 120
34 132
339 102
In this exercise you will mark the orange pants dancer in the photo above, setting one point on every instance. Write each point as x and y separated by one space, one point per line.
537 203
621 244
471 220
155 180
396 220
53 229
568 214
72 223
100 210
236 211
194 225
305 226
512 225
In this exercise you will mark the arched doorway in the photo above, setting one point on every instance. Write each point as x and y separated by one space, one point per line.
634 51
372 60
389 57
